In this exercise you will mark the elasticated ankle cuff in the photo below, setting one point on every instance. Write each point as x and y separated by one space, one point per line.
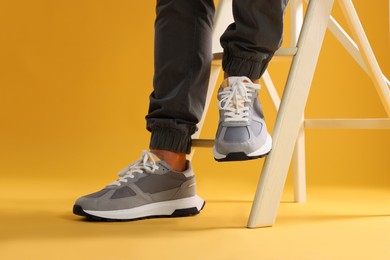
249 67
171 140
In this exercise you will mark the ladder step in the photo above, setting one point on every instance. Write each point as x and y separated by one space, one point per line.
280 55
207 143
356 123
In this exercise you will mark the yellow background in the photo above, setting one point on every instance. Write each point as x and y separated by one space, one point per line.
74 83
75 80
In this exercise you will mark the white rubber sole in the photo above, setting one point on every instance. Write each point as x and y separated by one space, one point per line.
164 208
263 150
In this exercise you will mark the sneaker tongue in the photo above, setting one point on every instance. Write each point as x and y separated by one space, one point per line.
154 157
231 80
164 165
161 162
225 83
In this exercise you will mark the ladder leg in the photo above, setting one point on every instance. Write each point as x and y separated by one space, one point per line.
223 17
367 54
299 166
296 20
298 159
267 81
274 173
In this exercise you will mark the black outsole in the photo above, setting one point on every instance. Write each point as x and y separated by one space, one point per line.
78 210
239 156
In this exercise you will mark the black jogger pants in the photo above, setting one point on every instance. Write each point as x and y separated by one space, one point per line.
183 31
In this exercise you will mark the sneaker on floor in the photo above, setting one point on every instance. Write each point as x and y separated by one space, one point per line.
242 132
147 188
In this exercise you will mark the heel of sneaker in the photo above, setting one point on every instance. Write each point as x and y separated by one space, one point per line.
199 204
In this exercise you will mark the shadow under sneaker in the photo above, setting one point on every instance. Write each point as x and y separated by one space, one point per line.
242 133
147 188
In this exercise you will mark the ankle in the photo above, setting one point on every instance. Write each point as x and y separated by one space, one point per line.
177 161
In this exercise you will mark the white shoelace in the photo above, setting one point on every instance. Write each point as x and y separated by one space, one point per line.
145 164
234 99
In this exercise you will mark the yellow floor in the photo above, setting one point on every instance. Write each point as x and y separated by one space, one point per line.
336 223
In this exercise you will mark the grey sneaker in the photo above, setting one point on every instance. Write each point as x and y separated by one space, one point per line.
147 188
242 133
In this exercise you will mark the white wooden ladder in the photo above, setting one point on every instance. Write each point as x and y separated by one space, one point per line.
288 134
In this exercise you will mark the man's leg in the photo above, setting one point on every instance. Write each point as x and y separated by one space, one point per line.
183 31
249 44
165 185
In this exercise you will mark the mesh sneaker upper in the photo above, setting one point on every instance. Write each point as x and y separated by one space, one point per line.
146 181
241 125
